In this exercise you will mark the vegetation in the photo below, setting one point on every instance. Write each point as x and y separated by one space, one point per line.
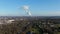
27 27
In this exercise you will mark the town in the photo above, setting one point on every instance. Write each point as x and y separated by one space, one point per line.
29 25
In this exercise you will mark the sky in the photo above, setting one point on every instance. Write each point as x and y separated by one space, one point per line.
36 7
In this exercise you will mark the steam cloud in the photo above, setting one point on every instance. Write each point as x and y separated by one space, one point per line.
26 8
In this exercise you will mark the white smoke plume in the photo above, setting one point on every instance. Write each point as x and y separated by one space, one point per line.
26 9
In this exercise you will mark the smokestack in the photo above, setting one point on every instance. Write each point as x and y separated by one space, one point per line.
26 9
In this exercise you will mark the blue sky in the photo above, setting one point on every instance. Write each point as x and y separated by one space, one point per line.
37 7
